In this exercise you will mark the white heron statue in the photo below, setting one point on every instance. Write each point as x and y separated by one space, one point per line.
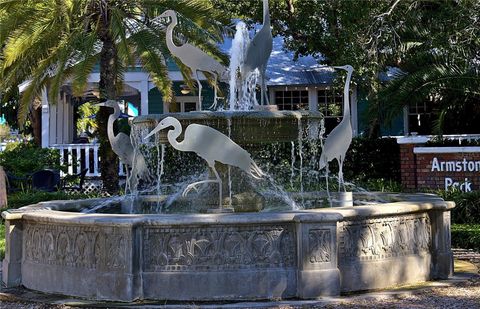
212 146
194 58
122 146
258 52
339 140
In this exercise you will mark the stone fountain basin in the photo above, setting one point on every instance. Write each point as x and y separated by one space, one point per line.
249 127
297 254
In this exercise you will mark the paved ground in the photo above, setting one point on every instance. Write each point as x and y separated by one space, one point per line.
461 291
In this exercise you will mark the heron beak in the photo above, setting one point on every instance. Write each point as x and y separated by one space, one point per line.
100 104
154 131
338 68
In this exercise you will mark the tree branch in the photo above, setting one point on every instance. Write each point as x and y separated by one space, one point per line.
389 11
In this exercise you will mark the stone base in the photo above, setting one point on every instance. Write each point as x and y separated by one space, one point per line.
221 285
316 283
228 256
370 275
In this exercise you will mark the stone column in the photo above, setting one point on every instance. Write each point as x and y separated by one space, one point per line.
442 256
12 264
317 274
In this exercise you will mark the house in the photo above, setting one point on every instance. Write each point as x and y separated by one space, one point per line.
292 85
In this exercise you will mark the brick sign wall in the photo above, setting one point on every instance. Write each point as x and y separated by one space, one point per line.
440 167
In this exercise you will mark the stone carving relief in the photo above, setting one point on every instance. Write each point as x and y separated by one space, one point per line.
76 246
218 247
385 237
319 246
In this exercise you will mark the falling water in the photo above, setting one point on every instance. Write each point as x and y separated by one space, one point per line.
300 154
237 56
292 164
160 162
229 123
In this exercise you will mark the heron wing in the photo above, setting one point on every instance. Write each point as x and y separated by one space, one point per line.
213 145
123 147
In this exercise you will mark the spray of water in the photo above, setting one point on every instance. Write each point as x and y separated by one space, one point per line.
237 56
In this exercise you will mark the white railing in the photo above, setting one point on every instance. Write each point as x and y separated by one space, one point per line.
80 156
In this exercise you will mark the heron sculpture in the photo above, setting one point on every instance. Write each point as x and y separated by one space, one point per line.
338 141
193 57
212 146
258 52
122 146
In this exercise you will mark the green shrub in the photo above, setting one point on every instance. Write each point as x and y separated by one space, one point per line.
22 159
441 141
466 236
21 199
369 159
467 209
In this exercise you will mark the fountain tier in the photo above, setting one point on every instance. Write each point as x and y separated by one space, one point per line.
251 127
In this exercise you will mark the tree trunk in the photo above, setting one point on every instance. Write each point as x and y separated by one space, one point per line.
107 88
36 119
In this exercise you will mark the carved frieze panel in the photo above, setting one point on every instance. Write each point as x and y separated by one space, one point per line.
77 246
218 247
381 238
319 246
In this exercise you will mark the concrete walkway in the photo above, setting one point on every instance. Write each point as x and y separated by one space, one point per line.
461 291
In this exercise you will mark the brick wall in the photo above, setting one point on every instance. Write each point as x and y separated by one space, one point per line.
417 173
407 166
426 178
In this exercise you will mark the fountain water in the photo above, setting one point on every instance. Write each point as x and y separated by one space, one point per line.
157 244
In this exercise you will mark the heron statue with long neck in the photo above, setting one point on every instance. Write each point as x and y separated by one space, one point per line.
339 140
212 146
122 146
258 52
193 57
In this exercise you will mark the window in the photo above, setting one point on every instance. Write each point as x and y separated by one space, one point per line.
420 117
330 104
292 100
186 104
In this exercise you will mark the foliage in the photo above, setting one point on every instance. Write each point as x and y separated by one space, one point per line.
466 236
21 199
440 141
22 159
467 209
369 159
48 42
433 45
86 123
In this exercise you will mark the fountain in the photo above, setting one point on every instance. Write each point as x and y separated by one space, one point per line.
270 238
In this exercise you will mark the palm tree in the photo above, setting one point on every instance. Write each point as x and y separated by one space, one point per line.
50 42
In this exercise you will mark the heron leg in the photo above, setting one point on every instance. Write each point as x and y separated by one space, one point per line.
219 180
215 98
127 181
340 175
326 180
264 87
199 91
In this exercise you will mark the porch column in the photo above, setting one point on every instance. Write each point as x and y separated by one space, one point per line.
313 99
45 119
144 97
